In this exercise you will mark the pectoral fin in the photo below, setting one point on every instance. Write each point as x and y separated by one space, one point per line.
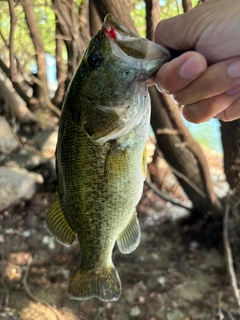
117 159
57 224
129 238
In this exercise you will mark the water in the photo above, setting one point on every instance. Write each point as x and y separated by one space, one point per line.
207 134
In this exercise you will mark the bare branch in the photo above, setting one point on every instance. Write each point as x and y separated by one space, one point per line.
31 296
13 21
166 197
4 40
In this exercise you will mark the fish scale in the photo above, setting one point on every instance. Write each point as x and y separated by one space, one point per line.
101 156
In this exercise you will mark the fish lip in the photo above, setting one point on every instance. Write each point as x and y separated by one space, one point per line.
150 55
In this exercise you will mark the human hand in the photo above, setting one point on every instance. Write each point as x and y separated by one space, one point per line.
207 80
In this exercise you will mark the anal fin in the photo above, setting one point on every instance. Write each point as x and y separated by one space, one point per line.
58 225
129 238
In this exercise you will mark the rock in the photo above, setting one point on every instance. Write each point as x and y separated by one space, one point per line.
46 141
8 140
32 162
49 166
135 311
177 213
24 160
17 184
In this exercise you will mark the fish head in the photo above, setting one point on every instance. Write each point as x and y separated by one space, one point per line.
108 94
116 62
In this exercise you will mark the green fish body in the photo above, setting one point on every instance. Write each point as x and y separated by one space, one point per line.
101 155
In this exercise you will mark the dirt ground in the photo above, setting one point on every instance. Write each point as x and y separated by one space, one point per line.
177 273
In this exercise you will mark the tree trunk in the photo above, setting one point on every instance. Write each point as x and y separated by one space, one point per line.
187 5
94 19
61 70
178 147
182 152
152 17
20 87
41 79
231 148
119 9
15 103
13 21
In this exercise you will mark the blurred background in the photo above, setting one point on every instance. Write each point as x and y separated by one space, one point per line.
179 270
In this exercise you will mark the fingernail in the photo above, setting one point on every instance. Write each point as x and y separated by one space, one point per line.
161 89
233 91
234 69
175 100
191 68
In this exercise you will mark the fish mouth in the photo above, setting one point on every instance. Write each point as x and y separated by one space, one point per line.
142 54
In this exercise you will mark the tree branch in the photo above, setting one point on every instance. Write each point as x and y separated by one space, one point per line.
15 103
166 197
187 5
13 22
228 253
18 86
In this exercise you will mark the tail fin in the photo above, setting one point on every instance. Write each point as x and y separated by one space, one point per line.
102 283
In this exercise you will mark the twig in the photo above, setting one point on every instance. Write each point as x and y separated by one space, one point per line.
187 180
29 293
166 197
228 313
220 313
228 254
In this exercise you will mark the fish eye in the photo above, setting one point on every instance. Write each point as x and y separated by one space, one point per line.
95 60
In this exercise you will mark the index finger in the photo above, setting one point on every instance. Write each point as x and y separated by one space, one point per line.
180 72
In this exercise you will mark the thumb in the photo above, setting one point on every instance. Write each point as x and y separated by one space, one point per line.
184 31
175 32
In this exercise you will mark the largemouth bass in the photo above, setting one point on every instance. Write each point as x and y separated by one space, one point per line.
101 155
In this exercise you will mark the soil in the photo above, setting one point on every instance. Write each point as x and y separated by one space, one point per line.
177 273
